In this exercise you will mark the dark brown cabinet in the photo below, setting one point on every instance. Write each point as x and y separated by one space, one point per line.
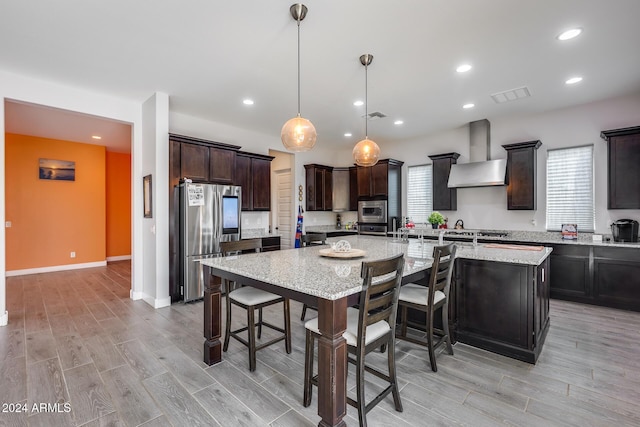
253 174
598 275
502 307
201 160
571 277
444 198
521 175
353 188
194 162
623 158
222 165
319 183
373 181
615 277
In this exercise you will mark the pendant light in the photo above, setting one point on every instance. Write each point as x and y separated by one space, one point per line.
298 133
366 152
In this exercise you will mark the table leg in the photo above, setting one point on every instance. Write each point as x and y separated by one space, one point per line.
212 321
332 362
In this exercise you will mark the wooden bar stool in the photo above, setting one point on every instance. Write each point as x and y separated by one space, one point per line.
251 299
309 240
428 300
368 328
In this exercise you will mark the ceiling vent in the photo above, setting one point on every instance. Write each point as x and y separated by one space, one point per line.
511 95
375 115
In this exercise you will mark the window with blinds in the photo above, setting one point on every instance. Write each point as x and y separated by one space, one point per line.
419 193
570 188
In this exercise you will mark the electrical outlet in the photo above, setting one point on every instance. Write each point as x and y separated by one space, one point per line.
533 222
7 224
72 255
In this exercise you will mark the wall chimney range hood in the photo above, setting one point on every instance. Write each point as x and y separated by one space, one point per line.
481 171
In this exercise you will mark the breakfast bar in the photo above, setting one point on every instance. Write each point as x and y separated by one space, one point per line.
333 284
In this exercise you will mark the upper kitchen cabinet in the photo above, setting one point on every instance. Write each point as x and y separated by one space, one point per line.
444 198
341 190
623 156
353 188
201 160
222 165
379 180
521 175
319 183
253 174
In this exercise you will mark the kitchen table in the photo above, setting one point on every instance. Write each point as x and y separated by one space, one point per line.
327 283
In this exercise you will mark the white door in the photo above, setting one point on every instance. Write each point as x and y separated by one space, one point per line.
284 213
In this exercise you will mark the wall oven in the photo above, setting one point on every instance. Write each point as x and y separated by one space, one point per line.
372 212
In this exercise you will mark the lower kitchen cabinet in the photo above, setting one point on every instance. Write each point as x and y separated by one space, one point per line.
616 277
571 277
271 243
502 307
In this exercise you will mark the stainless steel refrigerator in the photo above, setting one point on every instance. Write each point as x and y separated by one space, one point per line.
208 214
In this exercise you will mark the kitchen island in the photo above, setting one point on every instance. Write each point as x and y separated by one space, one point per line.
333 284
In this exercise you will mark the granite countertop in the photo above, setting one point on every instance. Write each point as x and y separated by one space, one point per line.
304 270
255 233
535 237
327 229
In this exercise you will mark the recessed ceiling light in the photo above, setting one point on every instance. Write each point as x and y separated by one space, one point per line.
247 101
569 34
463 68
574 80
96 137
347 134
358 103
469 105
398 122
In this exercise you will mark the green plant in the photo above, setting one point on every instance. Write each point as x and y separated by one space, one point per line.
436 218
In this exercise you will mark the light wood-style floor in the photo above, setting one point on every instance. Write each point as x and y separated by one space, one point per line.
75 337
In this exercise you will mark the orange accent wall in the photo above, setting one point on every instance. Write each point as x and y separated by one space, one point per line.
118 193
52 218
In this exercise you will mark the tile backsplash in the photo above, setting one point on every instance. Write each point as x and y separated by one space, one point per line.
255 220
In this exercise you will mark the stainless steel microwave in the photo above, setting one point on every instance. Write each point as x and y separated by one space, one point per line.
372 211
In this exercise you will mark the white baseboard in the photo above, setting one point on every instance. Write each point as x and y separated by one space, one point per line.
157 302
118 258
136 295
4 319
55 268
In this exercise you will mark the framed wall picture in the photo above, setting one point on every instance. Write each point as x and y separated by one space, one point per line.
146 192
57 170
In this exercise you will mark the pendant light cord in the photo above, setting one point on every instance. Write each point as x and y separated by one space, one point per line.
298 67
366 102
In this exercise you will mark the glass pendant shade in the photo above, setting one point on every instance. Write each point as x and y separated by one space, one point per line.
366 153
298 134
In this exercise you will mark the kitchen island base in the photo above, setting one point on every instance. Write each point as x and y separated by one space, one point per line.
502 307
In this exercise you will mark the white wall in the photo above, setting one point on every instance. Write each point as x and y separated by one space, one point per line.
486 207
155 230
20 88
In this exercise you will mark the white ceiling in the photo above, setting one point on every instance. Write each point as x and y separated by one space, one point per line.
209 56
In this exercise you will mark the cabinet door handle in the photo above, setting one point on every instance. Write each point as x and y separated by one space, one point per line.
543 275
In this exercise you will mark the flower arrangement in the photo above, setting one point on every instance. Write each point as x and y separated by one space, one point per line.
435 219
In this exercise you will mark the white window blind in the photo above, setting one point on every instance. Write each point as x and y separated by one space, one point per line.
570 188
419 193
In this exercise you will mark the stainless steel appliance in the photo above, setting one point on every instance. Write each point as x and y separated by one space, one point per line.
625 230
372 212
208 214
373 229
